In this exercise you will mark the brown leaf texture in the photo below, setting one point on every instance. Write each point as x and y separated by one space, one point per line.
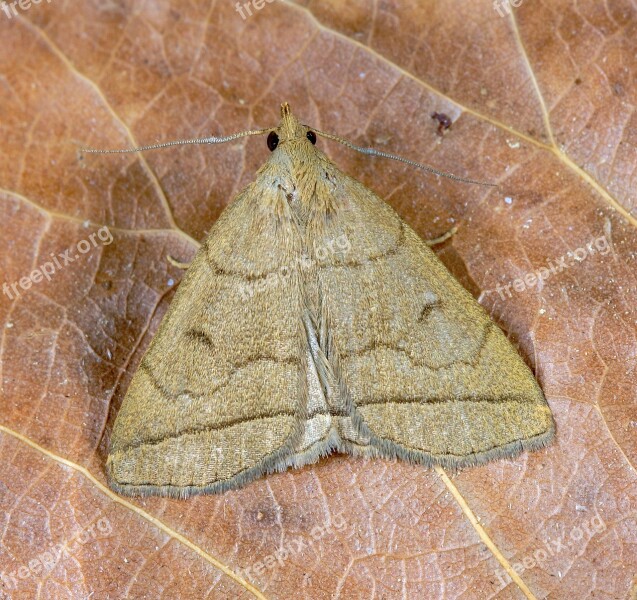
542 100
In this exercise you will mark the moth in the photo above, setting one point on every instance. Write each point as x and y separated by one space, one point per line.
313 319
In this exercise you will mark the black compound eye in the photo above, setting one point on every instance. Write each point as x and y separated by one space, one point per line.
273 141
311 136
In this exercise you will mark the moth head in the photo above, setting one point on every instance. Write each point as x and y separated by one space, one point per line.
289 130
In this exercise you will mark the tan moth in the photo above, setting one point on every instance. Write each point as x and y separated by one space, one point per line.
313 320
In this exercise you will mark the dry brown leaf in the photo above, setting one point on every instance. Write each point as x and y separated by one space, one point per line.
542 101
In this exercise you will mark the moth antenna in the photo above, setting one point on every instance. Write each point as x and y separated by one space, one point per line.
207 140
374 152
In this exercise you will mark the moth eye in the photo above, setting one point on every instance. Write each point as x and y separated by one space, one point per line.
273 141
311 136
